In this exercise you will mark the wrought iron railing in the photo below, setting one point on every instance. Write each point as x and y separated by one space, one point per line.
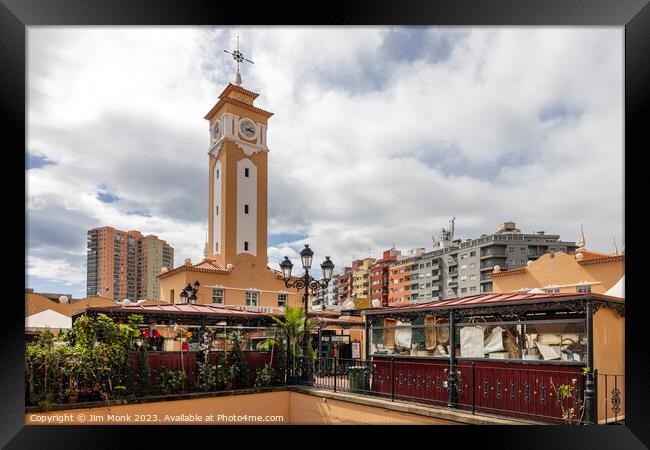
611 398
533 393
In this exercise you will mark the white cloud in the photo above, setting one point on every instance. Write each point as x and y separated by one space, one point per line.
56 270
379 135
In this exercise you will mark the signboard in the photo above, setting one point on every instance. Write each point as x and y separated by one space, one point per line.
356 350
194 347
340 338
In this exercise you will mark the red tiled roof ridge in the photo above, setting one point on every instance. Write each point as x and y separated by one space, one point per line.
516 271
490 298
589 255
603 259
207 265
234 87
182 308
237 103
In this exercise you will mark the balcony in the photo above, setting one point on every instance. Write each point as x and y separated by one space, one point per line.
492 254
452 262
452 283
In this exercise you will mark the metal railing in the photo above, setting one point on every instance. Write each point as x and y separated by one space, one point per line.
534 393
610 398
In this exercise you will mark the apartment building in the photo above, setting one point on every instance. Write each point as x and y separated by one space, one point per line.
345 286
429 279
466 266
379 276
327 296
361 277
124 264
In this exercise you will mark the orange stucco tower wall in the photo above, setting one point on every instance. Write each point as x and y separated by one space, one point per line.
238 171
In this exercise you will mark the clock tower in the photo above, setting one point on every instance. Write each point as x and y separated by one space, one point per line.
237 213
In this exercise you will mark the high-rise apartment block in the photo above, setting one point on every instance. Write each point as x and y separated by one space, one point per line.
379 276
361 277
467 265
124 264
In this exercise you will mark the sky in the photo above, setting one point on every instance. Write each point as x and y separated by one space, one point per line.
380 136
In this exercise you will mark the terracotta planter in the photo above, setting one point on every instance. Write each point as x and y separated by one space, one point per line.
73 398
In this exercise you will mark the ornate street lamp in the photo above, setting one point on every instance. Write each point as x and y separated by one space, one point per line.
306 282
188 294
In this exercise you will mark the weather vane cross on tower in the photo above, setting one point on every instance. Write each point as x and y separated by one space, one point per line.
239 57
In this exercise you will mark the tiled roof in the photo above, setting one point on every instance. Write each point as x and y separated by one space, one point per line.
234 87
35 303
177 309
492 299
517 271
590 257
353 323
239 103
207 265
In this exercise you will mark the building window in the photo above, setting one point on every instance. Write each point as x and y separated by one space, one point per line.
217 174
282 299
252 298
246 245
472 277
473 253
246 173
472 289
583 288
217 296
553 290
217 209
472 266
216 247
512 249
463 256
245 209
463 290
171 296
463 267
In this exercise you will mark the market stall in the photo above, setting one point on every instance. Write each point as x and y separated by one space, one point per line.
523 355
177 336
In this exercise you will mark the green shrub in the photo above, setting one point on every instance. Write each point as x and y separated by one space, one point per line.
239 364
266 376
171 381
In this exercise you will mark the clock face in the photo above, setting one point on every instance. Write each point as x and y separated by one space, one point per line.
248 129
215 131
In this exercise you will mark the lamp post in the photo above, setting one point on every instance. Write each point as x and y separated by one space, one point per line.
307 282
188 294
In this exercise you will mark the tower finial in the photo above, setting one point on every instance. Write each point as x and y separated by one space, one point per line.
581 239
239 57
615 248
206 248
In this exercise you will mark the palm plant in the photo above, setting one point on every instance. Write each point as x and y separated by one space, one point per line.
295 326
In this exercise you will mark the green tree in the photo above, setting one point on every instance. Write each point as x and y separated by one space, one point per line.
295 326
239 363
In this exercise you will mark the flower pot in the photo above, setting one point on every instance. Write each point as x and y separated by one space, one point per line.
72 398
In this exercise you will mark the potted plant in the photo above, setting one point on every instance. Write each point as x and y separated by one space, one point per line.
72 395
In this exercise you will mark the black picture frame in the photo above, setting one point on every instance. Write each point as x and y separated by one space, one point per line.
634 15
